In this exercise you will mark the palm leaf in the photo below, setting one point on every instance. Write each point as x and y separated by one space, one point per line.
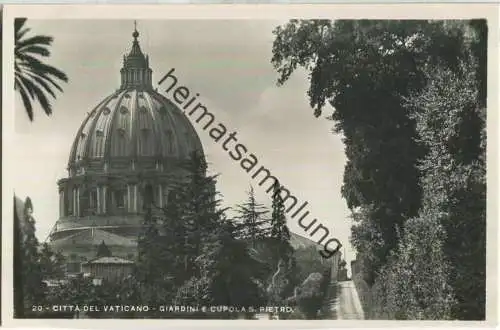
20 34
34 49
46 78
26 100
42 83
36 93
39 66
34 80
36 40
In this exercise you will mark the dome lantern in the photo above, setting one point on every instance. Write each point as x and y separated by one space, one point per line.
135 72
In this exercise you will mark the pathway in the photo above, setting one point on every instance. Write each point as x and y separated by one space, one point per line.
345 305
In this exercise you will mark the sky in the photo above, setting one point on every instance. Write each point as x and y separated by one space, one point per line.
228 63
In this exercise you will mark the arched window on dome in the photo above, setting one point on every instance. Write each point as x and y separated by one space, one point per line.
98 145
145 120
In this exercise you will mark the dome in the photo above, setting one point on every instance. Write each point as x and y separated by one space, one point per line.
138 125
135 123
133 139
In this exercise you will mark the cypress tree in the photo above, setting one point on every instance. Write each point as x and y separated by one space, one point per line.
280 235
29 289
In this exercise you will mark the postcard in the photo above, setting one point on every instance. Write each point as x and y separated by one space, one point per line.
305 166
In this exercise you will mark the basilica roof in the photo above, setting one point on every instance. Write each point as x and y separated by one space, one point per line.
110 260
95 237
135 121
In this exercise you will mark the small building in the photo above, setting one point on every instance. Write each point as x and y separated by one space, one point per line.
108 268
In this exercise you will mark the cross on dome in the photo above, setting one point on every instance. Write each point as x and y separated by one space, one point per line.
136 33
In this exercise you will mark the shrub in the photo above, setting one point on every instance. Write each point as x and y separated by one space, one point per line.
309 295
413 285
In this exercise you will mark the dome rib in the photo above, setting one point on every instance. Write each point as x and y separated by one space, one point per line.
109 138
156 128
91 131
133 127
177 135
186 123
153 128
72 157
170 115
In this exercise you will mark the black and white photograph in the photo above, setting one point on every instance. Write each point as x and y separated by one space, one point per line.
247 169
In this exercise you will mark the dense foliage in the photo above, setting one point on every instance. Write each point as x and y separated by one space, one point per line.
409 98
35 80
33 262
189 254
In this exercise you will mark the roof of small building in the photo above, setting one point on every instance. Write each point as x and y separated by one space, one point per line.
110 260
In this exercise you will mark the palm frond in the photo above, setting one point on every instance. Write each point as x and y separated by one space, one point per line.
34 49
25 98
39 66
34 80
37 94
43 84
20 34
36 40
43 76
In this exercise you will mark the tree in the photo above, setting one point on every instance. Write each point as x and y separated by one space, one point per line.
364 69
202 214
154 282
279 229
175 236
34 80
233 276
173 239
29 289
280 239
18 259
451 121
52 264
309 295
405 88
251 215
